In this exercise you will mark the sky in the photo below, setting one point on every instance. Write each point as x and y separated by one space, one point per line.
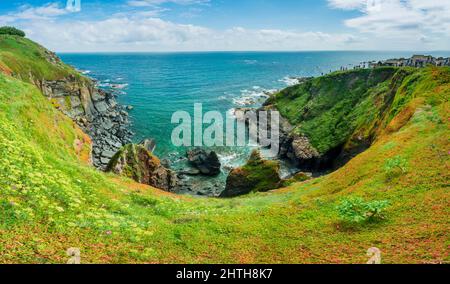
231 25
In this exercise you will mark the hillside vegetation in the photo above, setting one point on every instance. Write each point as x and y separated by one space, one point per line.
29 61
52 200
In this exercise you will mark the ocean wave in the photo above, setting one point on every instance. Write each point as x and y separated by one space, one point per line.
255 96
250 62
232 160
103 85
108 85
119 86
290 81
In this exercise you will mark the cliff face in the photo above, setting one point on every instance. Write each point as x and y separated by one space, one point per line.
94 110
329 120
257 175
136 162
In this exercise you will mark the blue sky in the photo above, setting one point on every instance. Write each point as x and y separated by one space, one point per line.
190 25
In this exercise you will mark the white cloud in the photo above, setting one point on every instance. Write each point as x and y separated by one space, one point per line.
400 19
393 24
149 3
34 13
347 4
154 34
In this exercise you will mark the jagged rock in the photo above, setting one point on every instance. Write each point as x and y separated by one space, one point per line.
207 162
258 175
93 109
101 106
166 163
136 162
190 172
302 148
107 124
108 154
149 144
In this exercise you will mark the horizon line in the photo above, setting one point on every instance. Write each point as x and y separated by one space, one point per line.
247 51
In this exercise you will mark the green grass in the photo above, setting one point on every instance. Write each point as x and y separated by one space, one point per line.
329 109
27 60
51 199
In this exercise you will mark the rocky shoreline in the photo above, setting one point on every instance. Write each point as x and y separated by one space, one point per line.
95 111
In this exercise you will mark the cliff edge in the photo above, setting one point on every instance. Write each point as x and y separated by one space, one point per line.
77 96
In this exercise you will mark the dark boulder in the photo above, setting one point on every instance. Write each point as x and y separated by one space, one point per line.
207 162
258 175
136 162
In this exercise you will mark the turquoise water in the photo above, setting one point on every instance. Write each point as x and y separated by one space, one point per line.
158 84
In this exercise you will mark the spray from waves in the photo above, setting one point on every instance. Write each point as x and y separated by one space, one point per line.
250 62
290 81
106 84
230 160
252 97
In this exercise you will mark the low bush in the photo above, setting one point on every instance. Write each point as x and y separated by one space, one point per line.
357 211
395 167
11 31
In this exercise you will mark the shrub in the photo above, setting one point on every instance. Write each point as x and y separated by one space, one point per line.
11 31
356 210
395 167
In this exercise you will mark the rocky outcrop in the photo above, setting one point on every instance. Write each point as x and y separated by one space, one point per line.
298 177
205 161
258 175
299 150
296 148
149 144
136 162
94 110
334 117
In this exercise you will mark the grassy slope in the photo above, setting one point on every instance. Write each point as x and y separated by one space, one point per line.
51 201
329 109
22 57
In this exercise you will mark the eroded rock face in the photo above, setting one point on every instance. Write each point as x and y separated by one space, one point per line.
258 175
207 162
95 111
302 148
136 162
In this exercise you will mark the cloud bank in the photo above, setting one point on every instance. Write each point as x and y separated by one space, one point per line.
381 24
399 19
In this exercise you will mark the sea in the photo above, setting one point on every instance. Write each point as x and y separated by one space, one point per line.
157 85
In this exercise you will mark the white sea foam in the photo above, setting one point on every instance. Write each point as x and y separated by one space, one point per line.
250 62
103 85
119 86
231 160
290 81
254 96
